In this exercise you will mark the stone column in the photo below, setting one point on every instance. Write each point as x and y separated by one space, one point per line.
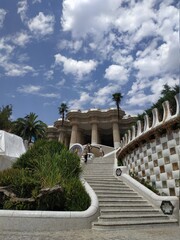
74 133
94 133
116 135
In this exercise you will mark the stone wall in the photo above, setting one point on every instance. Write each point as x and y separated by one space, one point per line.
153 152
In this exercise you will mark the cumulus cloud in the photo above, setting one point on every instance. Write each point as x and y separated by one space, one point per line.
12 68
42 25
84 17
117 73
74 46
103 97
137 95
15 70
79 103
2 16
36 90
30 89
77 68
21 39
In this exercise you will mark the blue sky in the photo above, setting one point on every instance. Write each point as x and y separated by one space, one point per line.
82 51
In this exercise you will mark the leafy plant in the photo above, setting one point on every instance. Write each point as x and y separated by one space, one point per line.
74 195
40 170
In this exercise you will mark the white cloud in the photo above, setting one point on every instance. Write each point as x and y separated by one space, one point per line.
141 99
49 74
15 70
137 95
116 73
22 9
77 68
61 83
21 39
84 99
36 1
36 90
10 68
75 46
42 25
30 89
103 97
84 17
2 16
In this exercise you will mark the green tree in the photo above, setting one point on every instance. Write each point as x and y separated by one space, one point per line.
29 127
62 110
116 97
5 121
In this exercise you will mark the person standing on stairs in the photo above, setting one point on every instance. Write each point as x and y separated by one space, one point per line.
85 155
101 151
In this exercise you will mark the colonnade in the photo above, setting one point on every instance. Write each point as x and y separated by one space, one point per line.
77 134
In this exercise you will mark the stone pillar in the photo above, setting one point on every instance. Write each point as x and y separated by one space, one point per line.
94 133
74 134
116 135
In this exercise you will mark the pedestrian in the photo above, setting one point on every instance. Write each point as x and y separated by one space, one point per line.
101 151
85 155
89 147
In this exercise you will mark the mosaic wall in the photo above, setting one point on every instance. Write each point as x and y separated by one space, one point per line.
158 162
152 154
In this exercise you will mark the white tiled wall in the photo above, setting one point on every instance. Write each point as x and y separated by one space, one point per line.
158 162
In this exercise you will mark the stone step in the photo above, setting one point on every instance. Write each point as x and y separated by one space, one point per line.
133 217
117 197
105 181
120 206
131 224
116 194
108 188
114 191
124 205
100 178
102 161
130 211
116 201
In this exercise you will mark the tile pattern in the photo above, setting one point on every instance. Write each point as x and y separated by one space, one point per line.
158 163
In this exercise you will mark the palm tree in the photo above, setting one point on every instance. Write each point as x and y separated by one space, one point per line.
117 98
5 118
62 110
30 128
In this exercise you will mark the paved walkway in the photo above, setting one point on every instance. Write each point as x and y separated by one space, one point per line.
157 233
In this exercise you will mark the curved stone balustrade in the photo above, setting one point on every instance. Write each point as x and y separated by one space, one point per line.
132 134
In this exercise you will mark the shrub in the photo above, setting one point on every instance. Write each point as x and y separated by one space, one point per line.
40 148
69 164
46 165
76 197
20 181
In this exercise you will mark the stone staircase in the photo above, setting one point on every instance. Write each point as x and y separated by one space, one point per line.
120 206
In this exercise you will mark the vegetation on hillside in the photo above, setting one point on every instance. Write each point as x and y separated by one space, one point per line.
46 177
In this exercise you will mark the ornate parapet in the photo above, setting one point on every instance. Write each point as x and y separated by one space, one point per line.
152 152
168 119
